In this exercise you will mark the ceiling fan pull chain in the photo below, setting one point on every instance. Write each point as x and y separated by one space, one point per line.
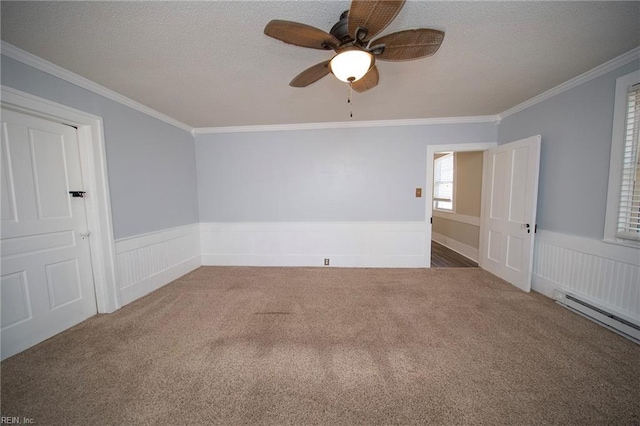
349 94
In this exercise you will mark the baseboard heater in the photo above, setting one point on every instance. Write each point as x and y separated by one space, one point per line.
613 322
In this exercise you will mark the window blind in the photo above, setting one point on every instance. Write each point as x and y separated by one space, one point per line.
629 212
443 183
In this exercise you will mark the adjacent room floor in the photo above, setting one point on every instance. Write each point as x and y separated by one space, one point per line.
444 257
241 345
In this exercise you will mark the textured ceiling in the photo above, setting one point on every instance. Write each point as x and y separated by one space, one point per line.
209 64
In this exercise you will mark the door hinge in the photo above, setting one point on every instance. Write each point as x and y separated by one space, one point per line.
535 229
431 221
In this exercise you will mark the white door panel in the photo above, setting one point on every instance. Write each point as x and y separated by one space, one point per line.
8 201
511 190
46 283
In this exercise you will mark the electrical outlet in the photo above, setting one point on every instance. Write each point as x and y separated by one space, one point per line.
418 192
326 262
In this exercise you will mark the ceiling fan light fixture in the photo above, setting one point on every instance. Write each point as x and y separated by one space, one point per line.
351 65
354 39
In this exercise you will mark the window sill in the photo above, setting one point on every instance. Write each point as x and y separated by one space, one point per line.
623 243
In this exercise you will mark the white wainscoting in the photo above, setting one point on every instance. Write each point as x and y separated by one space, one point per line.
456 217
605 275
467 251
365 244
147 262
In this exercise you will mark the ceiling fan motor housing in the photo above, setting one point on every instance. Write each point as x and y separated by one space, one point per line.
352 39
341 29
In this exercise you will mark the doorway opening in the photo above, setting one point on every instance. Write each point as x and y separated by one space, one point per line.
508 206
456 208
436 210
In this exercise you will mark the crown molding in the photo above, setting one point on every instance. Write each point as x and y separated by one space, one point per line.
345 124
68 76
596 72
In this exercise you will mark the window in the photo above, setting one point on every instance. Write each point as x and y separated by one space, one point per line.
623 202
443 182
629 211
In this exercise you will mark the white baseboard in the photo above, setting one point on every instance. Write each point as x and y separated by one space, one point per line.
341 261
370 244
147 262
597 272
543 285
155 281
460 248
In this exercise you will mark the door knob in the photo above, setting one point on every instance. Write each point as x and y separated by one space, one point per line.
527 226
85 234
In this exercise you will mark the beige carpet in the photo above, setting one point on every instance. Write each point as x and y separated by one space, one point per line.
330 346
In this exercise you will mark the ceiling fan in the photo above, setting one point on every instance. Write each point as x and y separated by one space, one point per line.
351 39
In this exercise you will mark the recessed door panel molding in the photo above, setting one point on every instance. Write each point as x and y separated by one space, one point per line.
49 174
510 185
519 172
514 253
43 248
499 183
16 306
8 201
63 282
495 246
32 244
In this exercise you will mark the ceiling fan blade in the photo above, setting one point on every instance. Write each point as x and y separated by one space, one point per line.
311 75
369 81
409 44
372 15
300 34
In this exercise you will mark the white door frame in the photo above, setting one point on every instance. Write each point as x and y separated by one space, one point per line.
431 151
94 174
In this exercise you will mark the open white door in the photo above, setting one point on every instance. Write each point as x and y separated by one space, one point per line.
510 194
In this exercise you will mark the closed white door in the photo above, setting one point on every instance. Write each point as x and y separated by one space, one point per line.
510 199
47 282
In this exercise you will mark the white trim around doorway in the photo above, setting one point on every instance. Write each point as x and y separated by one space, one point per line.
431 151
94 173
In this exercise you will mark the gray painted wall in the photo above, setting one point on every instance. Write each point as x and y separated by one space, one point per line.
576 142
151 164
360 174
357 174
